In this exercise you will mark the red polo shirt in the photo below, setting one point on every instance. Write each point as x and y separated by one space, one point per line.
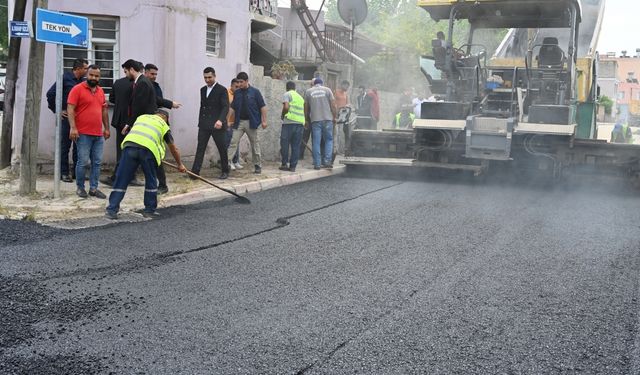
88 108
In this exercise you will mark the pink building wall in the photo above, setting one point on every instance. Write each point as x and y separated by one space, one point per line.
170 34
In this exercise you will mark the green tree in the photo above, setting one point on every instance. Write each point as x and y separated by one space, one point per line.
607 103
406 32
4 31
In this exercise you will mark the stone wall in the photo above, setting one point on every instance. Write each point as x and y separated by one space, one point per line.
273 90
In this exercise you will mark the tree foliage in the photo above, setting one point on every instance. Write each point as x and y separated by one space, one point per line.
406 32
607 103
4 31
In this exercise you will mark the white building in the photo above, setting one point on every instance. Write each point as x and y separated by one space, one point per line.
181 37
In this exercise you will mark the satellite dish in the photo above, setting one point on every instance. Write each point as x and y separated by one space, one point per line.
352 11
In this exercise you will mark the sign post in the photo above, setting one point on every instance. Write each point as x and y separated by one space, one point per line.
20 29
61 29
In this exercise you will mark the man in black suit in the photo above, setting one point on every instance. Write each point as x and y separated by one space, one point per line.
143 95
132 96
151 72
120 96
212 121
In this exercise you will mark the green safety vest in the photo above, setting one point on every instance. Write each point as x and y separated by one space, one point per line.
296 108
411 116
148 132
626 134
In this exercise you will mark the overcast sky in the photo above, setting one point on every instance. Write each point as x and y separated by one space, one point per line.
619 30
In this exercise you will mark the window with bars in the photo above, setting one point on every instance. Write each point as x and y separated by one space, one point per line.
103 50
214 38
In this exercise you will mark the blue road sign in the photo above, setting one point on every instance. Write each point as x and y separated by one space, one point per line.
61 28
19 29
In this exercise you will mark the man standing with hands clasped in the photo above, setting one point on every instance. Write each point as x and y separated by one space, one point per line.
250 113
89 122
320 110
212 121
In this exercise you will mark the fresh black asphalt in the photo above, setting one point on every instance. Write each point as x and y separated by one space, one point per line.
337 276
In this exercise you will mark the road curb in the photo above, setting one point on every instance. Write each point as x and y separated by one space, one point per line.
212 193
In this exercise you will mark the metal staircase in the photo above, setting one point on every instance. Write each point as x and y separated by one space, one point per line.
310 26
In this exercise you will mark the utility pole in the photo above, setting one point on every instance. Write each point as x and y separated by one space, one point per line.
10 88
29 151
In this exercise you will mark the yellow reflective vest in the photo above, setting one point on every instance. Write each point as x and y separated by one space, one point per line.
148 132
296 108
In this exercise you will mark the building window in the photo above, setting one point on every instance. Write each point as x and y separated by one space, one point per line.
103 50
215 34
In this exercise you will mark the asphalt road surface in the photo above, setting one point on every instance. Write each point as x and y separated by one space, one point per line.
337 276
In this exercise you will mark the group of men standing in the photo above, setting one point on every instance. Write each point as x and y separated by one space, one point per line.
141 130
316 111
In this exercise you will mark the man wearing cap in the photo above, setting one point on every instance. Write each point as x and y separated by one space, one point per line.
143 146
320 111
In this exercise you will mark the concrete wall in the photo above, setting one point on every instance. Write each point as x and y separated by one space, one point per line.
273 90
169 33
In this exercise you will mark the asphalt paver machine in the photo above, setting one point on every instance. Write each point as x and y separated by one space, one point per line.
519 92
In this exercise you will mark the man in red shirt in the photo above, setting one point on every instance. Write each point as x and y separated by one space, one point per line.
89 122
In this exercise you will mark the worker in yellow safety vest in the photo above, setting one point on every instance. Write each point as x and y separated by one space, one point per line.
143 146
621 133
404 119
292 128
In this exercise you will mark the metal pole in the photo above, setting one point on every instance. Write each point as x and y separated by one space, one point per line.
353 52
59 135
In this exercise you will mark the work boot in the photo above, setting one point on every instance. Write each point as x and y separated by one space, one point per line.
258 170
107 181
81 193
150 214
97 193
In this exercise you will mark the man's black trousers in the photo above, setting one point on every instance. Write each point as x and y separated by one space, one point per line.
220 138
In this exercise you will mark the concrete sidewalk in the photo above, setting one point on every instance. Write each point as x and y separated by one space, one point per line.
73 212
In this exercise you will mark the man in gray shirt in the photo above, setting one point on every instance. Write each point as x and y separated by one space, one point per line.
320 111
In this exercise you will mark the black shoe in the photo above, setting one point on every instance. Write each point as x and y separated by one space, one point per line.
107 180
292 169
327 166
81 193
97 193
258 170
111 215
283 167
316 167
163 190
136 182
224 176
150 215
66 178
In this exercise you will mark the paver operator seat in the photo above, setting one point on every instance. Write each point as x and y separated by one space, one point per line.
550 55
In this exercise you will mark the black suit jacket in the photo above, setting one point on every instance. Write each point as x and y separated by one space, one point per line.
143 99
120 97
213 107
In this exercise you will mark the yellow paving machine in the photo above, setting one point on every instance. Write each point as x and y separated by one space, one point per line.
520 92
